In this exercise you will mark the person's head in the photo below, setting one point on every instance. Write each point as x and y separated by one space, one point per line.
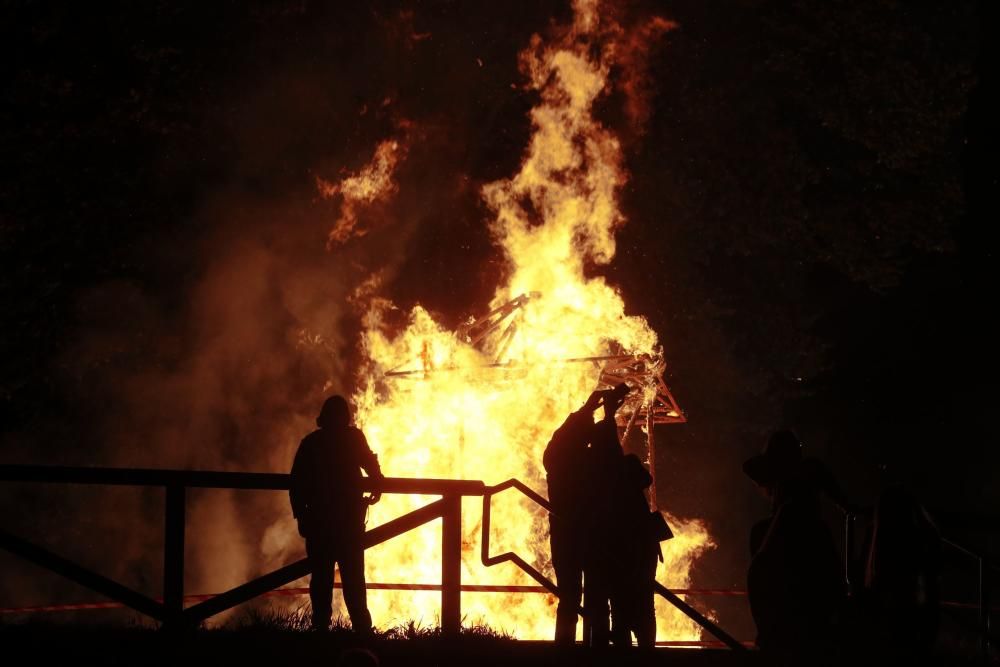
784 446
336 413
781 456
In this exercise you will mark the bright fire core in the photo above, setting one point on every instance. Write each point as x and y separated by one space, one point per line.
464 416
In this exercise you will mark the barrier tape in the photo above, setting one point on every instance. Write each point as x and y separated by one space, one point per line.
290 592
703 643
466 588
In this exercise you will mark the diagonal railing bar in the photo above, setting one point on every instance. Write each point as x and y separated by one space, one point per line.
404 523
246 592
297 570
698 618
511 557
81 575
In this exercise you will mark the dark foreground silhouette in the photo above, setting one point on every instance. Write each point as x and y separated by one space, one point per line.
603 537
328 502
796 584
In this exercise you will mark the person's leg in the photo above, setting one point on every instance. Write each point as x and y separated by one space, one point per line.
352 577
623 583
621 616
566 561
596 595
321 565
645 620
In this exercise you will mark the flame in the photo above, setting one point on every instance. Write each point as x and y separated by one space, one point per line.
485 409
373 182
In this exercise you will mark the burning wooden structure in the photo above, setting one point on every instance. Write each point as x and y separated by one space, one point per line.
649 403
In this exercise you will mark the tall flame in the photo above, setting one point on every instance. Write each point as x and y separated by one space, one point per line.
486 409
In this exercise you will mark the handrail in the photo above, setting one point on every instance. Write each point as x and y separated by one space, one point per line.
176 481
971 553
985 566
170 610
214 479
983 562
512 557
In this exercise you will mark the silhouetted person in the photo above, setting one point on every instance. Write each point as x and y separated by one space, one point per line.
794 583
329 504
901 577
570 497
620 564
603 563
569 473
637 551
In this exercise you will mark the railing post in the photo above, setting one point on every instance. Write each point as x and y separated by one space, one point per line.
984 607
849 569
173 554
451 566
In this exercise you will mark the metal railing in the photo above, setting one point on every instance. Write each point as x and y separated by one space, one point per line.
512 557
170 609
985 570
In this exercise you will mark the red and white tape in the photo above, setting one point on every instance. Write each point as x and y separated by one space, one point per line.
284 592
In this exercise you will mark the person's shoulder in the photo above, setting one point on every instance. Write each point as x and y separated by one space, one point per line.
308 448
356 436
311 439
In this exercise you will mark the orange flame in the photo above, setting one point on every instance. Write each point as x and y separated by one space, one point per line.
486 410
373 182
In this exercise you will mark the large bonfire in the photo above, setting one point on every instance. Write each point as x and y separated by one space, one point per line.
435 403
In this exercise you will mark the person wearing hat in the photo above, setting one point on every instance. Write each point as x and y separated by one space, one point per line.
328 502
794 583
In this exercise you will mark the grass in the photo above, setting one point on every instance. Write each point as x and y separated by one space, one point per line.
258 635
268 619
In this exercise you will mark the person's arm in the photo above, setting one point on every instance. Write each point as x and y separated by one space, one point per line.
369 463
295 483
297 488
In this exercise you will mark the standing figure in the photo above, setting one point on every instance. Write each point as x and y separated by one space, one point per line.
632 607
328 502
569 522
603 569
794 583
901 578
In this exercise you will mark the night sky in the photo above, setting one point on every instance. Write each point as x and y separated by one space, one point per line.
810 231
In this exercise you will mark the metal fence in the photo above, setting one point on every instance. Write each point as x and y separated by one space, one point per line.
171 610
